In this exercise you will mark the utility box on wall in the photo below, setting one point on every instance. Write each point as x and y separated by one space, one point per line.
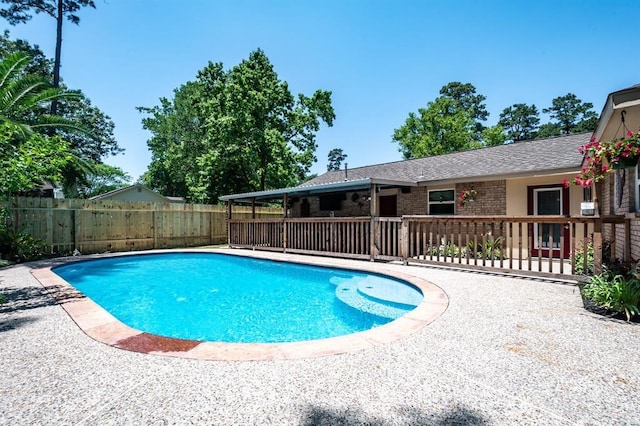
588 208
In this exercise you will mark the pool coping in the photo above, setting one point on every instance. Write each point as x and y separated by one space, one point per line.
103 327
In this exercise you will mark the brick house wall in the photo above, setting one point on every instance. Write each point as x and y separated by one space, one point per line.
491 199
618 199
413 202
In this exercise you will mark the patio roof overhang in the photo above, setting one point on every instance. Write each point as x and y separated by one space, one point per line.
622 109
343 186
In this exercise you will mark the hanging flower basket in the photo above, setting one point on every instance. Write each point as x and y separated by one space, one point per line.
601 157
625 162
467 196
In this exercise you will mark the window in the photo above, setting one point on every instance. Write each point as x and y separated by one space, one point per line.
332 202
442 202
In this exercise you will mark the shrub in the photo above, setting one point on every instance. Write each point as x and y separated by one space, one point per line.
616 293
448 250
19 246
483 250
578 258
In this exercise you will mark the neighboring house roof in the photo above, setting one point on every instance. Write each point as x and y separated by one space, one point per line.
136 192
527 158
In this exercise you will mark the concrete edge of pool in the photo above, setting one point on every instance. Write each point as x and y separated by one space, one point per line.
100 325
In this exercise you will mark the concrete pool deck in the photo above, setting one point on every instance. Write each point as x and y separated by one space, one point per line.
505 351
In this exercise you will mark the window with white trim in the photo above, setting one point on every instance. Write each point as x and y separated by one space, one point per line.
442 202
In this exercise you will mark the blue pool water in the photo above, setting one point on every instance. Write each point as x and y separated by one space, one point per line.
225 298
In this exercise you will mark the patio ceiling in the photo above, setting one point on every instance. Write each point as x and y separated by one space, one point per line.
347 185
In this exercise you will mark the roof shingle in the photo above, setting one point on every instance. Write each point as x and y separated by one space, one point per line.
556 154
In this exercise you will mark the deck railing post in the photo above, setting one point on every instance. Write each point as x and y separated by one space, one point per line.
597 246
285 234
404 240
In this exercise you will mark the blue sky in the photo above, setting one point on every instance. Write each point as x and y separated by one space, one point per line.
381 59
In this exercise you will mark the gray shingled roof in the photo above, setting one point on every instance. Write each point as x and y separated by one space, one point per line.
541 156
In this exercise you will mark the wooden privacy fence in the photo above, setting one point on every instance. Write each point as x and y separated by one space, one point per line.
542 245
110 225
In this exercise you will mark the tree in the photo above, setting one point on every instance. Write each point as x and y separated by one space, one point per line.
494 135
95 143
23 96
548 130
104 178
442 127
335 157
572 115
26 161
465 95
233 131
520 122
18 11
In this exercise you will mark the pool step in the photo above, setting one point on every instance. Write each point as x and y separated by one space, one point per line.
375 298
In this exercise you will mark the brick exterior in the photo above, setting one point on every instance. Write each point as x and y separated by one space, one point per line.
490 201
618 198
414 202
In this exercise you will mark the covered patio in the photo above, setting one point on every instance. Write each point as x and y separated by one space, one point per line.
490 243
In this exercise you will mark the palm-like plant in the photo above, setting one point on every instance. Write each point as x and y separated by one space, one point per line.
24 97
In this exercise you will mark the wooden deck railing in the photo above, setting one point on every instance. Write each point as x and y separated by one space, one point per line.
539 245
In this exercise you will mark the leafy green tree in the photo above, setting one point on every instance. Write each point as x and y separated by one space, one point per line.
465 95
467 98
440 128
520 121
104 178
572 115
26 161
548 130
233 131
336 156
494 135
178 139
19 11
90 146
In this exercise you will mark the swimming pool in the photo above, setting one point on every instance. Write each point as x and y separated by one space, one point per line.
223 298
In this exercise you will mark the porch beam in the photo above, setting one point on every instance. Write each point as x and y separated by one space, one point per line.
373 229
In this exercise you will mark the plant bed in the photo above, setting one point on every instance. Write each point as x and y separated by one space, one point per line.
613 296
591 306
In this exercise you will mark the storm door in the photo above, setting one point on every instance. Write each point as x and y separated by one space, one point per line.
549 201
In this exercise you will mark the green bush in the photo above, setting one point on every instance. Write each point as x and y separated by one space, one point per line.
448 250
578 258
19 246
483 250
615 293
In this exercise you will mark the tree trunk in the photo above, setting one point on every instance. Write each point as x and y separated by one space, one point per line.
56 64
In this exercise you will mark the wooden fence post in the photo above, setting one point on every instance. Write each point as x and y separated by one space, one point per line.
155 228
74 212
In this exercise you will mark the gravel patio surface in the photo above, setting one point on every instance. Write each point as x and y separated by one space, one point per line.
506 351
